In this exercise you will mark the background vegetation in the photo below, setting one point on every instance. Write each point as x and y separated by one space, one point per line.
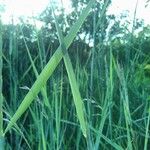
111 64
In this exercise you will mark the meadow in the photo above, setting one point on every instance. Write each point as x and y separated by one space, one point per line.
61 91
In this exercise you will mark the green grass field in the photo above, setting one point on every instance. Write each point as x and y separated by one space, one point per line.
70 95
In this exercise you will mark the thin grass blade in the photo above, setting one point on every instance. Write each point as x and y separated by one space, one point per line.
72 80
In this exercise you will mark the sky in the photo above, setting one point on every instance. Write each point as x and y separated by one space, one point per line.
17 8
122 5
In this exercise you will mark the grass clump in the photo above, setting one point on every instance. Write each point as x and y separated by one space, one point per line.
96 98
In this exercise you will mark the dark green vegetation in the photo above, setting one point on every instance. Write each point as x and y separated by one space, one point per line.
111 111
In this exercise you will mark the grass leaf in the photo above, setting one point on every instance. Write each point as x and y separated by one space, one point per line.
72 80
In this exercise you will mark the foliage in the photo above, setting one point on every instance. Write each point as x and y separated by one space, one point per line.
113 84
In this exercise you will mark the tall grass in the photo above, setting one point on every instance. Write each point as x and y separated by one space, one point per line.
1 95
48 70
96 105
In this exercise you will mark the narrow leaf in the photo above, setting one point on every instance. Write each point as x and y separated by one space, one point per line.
72 80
